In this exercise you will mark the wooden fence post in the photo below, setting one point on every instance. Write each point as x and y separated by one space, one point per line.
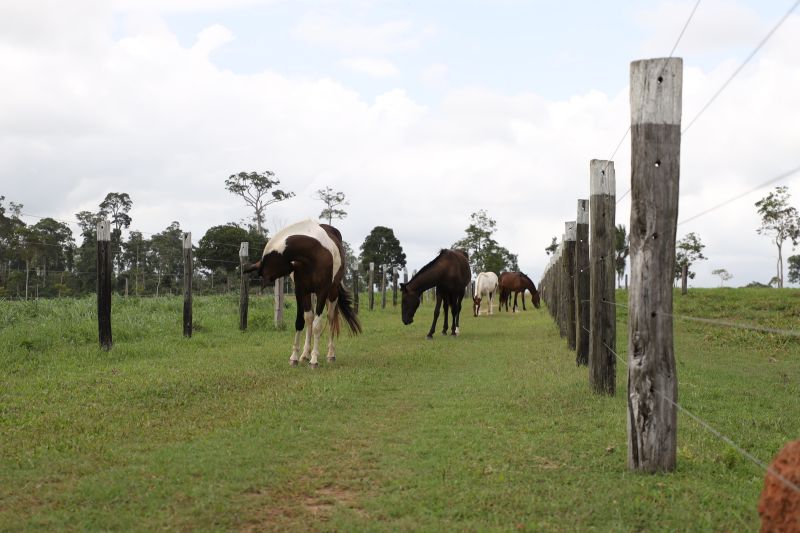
383 286
656 94
602 300
188 269
356 289
582 284
569 277
371 286
684 278
405 275
394 286
278 297
105 270
562 289
244 291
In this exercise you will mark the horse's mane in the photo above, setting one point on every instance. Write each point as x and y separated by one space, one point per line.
524 275
430 264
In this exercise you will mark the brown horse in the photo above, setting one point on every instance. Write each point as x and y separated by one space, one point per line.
516 282
313 254
450 274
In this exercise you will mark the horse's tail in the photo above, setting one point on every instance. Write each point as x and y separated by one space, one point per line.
345 306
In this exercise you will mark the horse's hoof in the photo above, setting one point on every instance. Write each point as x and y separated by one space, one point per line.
332 359
429 337
314 365
293 363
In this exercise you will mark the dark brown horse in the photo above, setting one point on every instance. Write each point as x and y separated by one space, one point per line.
516 282
313 254
450 274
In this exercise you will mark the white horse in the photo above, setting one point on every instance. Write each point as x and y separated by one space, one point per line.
485 285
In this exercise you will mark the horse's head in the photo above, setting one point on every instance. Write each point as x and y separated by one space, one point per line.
271 267
409 304
476 305
535 298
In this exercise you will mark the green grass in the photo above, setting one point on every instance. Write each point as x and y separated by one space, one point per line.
494 430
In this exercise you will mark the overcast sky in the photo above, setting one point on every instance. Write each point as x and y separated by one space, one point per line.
421 112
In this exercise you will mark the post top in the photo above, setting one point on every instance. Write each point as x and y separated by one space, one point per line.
103 230
602 178
569 229
187 240
583 212
244 249
656 89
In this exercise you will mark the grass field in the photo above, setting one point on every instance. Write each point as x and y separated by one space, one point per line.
494 430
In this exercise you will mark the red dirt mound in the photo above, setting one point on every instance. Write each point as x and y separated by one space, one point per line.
779 506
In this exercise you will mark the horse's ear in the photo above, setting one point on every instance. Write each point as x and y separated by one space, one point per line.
402 286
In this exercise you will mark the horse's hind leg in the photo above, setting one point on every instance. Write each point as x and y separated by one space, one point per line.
317 330
304 317
446 304
456 316
331 317
491 297
435 314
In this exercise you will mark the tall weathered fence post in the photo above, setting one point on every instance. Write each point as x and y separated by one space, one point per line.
371 286
394 286
383 286
562 288
244 291
356 289
656 94
602 300
582 284
105 270
405 275
278 297
569 277
188 270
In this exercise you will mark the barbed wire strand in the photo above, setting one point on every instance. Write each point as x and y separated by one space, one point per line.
742 195
741 66
755 460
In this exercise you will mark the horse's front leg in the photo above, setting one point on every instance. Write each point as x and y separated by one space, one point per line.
491 297
435 314
514 308
304 319
523 301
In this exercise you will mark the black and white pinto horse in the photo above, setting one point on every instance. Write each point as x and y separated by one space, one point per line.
312 253
449 272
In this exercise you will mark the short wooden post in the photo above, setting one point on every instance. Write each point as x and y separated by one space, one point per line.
405 275
684 278
244 291
188 269
656 94
383 286
602 300
371 286
582 284
278 297
104 272
356 289
126 287
394 286
569 278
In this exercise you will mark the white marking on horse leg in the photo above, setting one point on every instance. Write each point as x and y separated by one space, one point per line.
295 349
317 329
309 317
331 314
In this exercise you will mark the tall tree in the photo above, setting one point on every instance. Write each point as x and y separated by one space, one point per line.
780 221
382 248
723 274
550 250
332 200
622 249
794 268
166 255
86 260
485 254
219 247
688 251
135 253
116 206
256 189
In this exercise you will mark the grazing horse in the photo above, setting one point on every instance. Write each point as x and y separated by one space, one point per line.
516 282
485 285
312 253
450 274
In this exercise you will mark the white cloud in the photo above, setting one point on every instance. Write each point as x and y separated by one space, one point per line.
349 35
371 66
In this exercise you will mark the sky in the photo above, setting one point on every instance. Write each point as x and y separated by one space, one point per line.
421 112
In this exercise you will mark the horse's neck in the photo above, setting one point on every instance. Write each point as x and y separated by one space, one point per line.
528 284
427 279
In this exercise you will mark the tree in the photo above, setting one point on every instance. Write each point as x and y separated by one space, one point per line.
382 248
723 274
622 249
688 251
779 220
485 254
553 247
256 190
794 269
135 253
219 247
166 256
116 206
332 199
